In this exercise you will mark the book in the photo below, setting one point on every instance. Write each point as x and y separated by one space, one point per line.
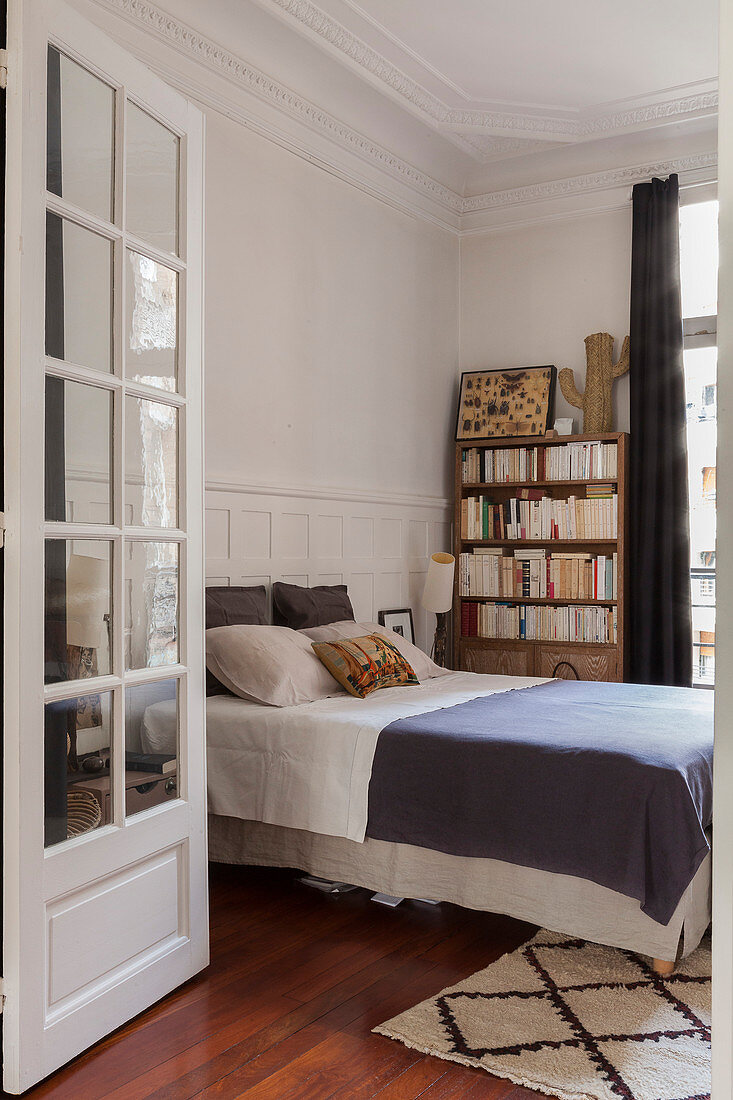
571 623
561 462
159 762
490 572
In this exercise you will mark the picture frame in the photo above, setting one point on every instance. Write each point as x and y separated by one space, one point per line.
400 620
512 403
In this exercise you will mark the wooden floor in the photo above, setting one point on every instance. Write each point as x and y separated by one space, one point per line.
285 1010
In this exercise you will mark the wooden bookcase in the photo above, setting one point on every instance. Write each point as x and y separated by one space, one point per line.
591 661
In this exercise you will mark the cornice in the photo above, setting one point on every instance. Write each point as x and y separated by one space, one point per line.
336 35
571 125
697 104
419 194
595 181
218 59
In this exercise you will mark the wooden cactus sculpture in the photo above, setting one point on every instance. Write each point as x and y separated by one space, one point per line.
601 371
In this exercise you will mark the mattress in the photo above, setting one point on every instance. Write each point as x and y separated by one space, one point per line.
561 903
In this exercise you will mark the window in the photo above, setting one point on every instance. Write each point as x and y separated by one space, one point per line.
699 272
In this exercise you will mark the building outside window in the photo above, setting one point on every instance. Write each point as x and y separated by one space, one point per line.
699 272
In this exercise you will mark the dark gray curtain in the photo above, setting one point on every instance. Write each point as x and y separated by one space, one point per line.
659 540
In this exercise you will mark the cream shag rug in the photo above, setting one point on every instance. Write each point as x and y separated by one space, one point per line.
575 1020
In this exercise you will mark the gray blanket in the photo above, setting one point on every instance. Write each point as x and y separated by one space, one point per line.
608 782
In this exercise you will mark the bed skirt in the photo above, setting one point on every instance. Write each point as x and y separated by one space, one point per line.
560 903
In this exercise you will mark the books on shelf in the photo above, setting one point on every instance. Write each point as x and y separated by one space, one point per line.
525 622
532 574
565 462
532 515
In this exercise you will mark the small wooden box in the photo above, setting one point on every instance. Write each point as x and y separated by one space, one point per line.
142 790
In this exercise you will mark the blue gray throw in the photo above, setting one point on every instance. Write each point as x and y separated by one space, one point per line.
608 782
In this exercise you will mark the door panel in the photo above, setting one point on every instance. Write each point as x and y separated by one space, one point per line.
504 660
576 662
105 904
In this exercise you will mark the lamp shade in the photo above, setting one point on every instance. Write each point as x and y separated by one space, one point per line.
438 592
87 600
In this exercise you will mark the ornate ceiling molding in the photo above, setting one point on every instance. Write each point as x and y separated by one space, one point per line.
596 181
221 61
568 125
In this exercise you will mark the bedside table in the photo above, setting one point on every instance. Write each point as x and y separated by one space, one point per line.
142 790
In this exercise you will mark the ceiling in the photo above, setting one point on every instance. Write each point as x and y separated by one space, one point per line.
506 79
468 103
566 56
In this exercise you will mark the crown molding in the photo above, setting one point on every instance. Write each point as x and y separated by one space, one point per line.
185 40
562 126
595 181
576 196
282 116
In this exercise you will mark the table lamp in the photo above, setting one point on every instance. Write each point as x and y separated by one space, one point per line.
438 597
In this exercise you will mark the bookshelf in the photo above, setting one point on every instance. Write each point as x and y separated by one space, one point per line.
596 539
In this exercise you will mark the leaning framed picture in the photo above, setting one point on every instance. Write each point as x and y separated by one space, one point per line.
399 620
514 402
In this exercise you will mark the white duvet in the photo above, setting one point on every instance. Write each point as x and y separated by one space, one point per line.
308 767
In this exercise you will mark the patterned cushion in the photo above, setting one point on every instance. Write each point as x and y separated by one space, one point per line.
365 664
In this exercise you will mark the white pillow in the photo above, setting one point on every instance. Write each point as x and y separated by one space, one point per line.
421 663
268 664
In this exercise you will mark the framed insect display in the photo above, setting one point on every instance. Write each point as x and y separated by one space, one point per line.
514 402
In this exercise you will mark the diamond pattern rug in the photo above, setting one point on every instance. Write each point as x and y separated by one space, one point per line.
575 1020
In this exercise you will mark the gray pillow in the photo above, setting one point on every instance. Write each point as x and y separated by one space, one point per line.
233 605
299 607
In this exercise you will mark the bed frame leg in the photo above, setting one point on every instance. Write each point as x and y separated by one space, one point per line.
663 968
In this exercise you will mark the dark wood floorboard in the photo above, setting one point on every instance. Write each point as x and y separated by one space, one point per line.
285 1011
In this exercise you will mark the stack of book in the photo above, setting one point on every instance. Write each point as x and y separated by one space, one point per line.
526 622
568 462
582 461
531 515
534 574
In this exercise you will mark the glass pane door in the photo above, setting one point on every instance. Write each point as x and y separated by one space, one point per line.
111 454
104 807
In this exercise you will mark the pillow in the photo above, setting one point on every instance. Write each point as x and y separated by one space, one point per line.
424 668
298 607
232 605
362 665
267 664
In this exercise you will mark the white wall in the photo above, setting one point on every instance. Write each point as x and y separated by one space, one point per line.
530 296
331 328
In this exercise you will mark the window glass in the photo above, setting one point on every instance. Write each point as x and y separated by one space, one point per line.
152 180
151 463
152 322
78 452
78 609
78 295
151 744
77 737
699 274
80 136
152 604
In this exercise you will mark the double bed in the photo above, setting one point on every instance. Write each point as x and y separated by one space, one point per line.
581 807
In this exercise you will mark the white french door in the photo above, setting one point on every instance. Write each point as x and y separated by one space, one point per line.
104 872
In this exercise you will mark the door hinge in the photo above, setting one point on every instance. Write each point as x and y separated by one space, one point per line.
2 993
2 543
3 68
